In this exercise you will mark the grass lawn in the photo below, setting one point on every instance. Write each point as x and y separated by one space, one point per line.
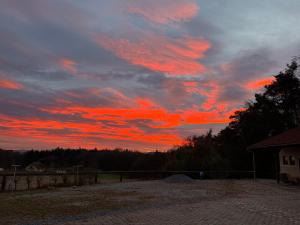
44 204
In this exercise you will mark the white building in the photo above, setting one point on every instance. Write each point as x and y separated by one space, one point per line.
287 146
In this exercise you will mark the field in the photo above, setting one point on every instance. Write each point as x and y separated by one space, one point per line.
156 203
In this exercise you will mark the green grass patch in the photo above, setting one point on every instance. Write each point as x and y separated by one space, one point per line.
21 207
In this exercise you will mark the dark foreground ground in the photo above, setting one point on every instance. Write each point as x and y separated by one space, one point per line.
207 202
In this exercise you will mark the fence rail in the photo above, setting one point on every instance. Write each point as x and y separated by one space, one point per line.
22 180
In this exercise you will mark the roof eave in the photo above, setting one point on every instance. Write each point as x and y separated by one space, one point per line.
252 148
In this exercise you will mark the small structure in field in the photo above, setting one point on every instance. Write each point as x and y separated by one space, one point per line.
36 167
287 147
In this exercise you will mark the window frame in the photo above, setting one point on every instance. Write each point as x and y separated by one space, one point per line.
292 160
285 160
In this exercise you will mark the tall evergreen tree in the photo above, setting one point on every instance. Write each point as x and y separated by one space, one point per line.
272 112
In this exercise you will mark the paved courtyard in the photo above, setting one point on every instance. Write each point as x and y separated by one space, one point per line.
207 202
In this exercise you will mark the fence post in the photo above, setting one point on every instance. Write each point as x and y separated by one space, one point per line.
15 182
3 183
75 179
38 181
121 177
28 182
254 166
96 178
277 166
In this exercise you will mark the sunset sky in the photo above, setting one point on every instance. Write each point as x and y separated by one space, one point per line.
138 74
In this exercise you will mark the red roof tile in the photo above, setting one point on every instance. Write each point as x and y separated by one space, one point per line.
285 139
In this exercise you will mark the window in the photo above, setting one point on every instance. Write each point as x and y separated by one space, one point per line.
292 160
285 160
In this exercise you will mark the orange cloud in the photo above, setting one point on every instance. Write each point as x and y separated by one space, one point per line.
190 84
210 90
9 84
141 121
260 83
77 133
160 53
147 110
166 11
68 65
212 117
91 125
145 103
159 117
211 95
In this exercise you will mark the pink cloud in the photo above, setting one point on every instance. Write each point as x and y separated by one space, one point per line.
68 65
159 53
165 11
9 84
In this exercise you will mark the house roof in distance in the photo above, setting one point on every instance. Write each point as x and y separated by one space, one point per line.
286 139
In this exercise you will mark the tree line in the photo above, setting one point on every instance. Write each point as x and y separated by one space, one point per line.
274 110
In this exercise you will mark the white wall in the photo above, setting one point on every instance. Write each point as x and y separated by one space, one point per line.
293 171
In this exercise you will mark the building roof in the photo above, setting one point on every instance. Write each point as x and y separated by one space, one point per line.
286 139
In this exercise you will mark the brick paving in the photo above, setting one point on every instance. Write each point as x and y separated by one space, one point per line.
207 203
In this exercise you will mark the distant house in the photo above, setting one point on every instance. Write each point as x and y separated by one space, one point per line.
287 146
36 167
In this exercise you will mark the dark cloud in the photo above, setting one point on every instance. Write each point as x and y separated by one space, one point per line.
33 103
250 65
170 92
233 93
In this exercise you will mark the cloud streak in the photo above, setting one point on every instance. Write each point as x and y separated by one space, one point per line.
159 53
8 83
164 12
